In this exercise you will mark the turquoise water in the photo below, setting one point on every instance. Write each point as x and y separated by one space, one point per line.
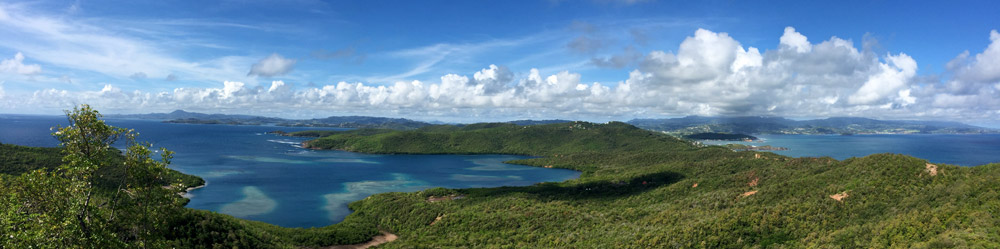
268 178
965 150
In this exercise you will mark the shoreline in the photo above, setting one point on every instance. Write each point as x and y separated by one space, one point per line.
186 192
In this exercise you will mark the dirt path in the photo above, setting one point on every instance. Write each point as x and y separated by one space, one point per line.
839 197
383 238
932 169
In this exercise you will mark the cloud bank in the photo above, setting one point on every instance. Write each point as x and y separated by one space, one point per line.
710 73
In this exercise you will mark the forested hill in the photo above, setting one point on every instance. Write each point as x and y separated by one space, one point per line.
777 125
180 116
17 160
502 138
639 189
642 189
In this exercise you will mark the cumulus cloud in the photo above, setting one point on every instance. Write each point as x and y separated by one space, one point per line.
975 88
983 67
711 73
493 79
16 65
892 77
273 65
795 40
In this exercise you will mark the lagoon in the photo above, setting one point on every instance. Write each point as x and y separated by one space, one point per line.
269 178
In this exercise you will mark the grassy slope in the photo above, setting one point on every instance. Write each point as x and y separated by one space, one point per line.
637 191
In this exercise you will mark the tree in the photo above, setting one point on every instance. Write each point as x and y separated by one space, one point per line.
98 198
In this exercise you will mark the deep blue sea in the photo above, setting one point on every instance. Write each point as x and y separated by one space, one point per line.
268 178
964 150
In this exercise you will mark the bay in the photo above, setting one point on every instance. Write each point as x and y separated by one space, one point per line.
957 149
269 178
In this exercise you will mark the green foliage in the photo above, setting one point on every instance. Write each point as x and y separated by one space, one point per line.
502 138
88 194
641 190
78 204
18 159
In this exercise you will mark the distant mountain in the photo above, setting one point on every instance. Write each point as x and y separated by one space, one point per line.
778 125
538 122
180 116
357 122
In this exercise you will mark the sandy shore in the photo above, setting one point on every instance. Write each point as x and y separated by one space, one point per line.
185 192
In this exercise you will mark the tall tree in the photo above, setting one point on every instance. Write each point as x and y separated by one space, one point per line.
99 197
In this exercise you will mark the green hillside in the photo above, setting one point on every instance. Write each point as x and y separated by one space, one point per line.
641 190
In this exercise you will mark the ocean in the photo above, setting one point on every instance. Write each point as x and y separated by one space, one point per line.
269 178
963 150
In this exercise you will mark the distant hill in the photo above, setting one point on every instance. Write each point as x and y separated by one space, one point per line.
720 136
357 122
180 116
538 122
778 125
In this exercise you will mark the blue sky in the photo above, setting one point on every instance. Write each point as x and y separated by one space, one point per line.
481 61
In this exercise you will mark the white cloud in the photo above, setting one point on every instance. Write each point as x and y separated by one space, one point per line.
974 91
273 65
493 79
983 67
894 76
16 65
795 40
94 45
711 73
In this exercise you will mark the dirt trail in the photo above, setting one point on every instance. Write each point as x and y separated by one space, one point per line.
932 169
437 219
383 238
839 197
749 193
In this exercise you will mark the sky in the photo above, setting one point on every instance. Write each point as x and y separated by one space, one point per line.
471 61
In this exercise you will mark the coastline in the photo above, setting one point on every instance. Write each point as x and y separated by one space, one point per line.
186 192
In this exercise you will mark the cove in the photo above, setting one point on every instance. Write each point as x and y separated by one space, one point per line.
264 177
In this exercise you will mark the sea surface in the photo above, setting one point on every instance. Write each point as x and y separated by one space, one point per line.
269 178
957 149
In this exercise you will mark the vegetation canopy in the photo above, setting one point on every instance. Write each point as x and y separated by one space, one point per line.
639 189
